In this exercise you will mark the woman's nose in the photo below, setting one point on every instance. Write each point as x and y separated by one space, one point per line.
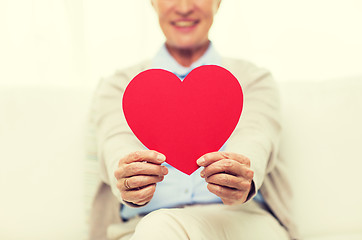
184 7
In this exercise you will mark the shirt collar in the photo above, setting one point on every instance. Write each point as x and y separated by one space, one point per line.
164 60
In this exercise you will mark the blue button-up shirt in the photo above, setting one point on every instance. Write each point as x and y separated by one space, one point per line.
177 188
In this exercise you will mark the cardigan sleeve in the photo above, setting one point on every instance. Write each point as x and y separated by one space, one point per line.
258 131
114 137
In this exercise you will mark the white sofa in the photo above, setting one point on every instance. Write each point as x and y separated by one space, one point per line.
42 175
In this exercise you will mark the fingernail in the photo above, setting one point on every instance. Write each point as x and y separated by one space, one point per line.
202 174
164 170
200 161
250 174
161 157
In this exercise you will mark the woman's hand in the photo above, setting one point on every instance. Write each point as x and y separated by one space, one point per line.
137 175
228 176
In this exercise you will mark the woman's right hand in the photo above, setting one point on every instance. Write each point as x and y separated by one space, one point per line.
137 175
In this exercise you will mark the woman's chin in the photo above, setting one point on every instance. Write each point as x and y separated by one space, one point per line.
187 45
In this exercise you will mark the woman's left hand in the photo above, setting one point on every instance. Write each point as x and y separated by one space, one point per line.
228 176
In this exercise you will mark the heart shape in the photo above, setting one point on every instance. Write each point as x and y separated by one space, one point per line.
183 119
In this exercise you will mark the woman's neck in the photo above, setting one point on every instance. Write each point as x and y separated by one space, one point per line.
187 56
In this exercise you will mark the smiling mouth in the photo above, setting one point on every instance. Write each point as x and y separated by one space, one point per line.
186 23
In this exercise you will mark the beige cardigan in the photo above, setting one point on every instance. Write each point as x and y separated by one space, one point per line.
256 136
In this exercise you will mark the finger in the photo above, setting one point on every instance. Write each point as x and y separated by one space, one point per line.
140 168
139 196
146 156
228 201
146 200
138 182
143 197
227 180
226 193
210 158
228 166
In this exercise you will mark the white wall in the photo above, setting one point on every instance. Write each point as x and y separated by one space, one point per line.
62 42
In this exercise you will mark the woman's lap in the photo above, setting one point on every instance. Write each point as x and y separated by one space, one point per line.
248 221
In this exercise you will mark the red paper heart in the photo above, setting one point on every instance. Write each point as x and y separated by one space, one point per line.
183 119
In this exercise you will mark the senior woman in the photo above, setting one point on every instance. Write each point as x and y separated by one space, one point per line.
239 192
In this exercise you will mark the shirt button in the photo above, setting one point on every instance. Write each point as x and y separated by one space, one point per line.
186 191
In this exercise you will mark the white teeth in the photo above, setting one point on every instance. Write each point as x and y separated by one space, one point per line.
184 23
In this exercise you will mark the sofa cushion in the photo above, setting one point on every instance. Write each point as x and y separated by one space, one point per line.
42 158
322 141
